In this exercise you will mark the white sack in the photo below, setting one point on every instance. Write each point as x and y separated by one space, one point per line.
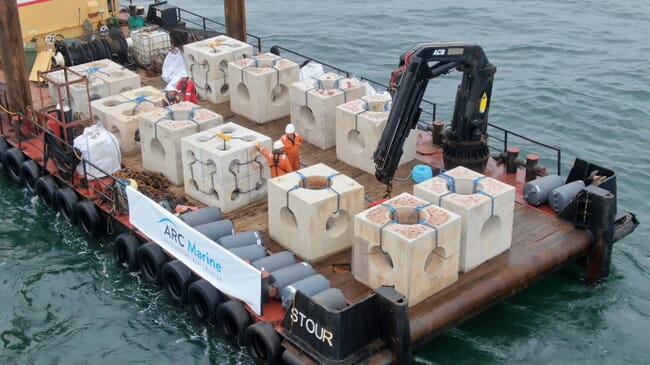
99 147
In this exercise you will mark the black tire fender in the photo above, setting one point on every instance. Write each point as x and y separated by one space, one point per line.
263 343
88 219
176 278
232 319
66 199
151 258
3 147
12 160
29 173
125 251
203 299
45 189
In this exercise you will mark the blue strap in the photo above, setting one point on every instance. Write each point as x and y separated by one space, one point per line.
489 196
475 183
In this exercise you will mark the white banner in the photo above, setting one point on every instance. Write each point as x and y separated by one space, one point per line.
220 267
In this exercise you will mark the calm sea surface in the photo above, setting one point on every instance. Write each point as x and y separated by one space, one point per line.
570 73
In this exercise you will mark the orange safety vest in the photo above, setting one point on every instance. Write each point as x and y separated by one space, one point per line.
292 149
279 164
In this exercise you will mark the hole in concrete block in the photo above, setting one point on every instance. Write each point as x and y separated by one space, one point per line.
249 138
355 141
287 218
224 89
95 97
306 115
236 194
96 119
190 58
242 92
203 137
223 66
337 223
245 55
435 261
490 232
157 147
136 135
405 215
380 260
215 193
112 103
315 182
210 168
228 130
279 95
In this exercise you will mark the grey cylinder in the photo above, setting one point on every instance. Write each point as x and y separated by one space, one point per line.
216 230
560 197
309 286
290 274
536 191
275 261
250 252
241 239
201 216
332 299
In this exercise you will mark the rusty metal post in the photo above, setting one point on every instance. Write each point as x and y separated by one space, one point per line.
511 160
600 204
12 55
235 13
532 161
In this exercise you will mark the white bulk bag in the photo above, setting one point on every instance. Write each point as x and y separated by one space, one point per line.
99 147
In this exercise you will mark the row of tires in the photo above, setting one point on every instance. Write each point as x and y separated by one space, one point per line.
61 199
184 287
205 301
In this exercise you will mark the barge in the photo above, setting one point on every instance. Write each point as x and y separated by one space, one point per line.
375 323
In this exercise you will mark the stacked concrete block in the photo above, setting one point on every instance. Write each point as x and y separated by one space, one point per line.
313 105
207 64
119 114
119 79
221 166
407 243
79 93
359 126
261 86
161 131
486 206
311 211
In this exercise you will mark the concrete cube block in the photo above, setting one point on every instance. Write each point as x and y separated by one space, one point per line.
261 86
313 105
123 122
359 126
104 106
79 93
228 174
213 55
119 79
486 206
311 211
161 131
225 161
407 243
214 91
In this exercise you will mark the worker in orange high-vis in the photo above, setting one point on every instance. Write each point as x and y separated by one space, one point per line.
278 161
292 142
